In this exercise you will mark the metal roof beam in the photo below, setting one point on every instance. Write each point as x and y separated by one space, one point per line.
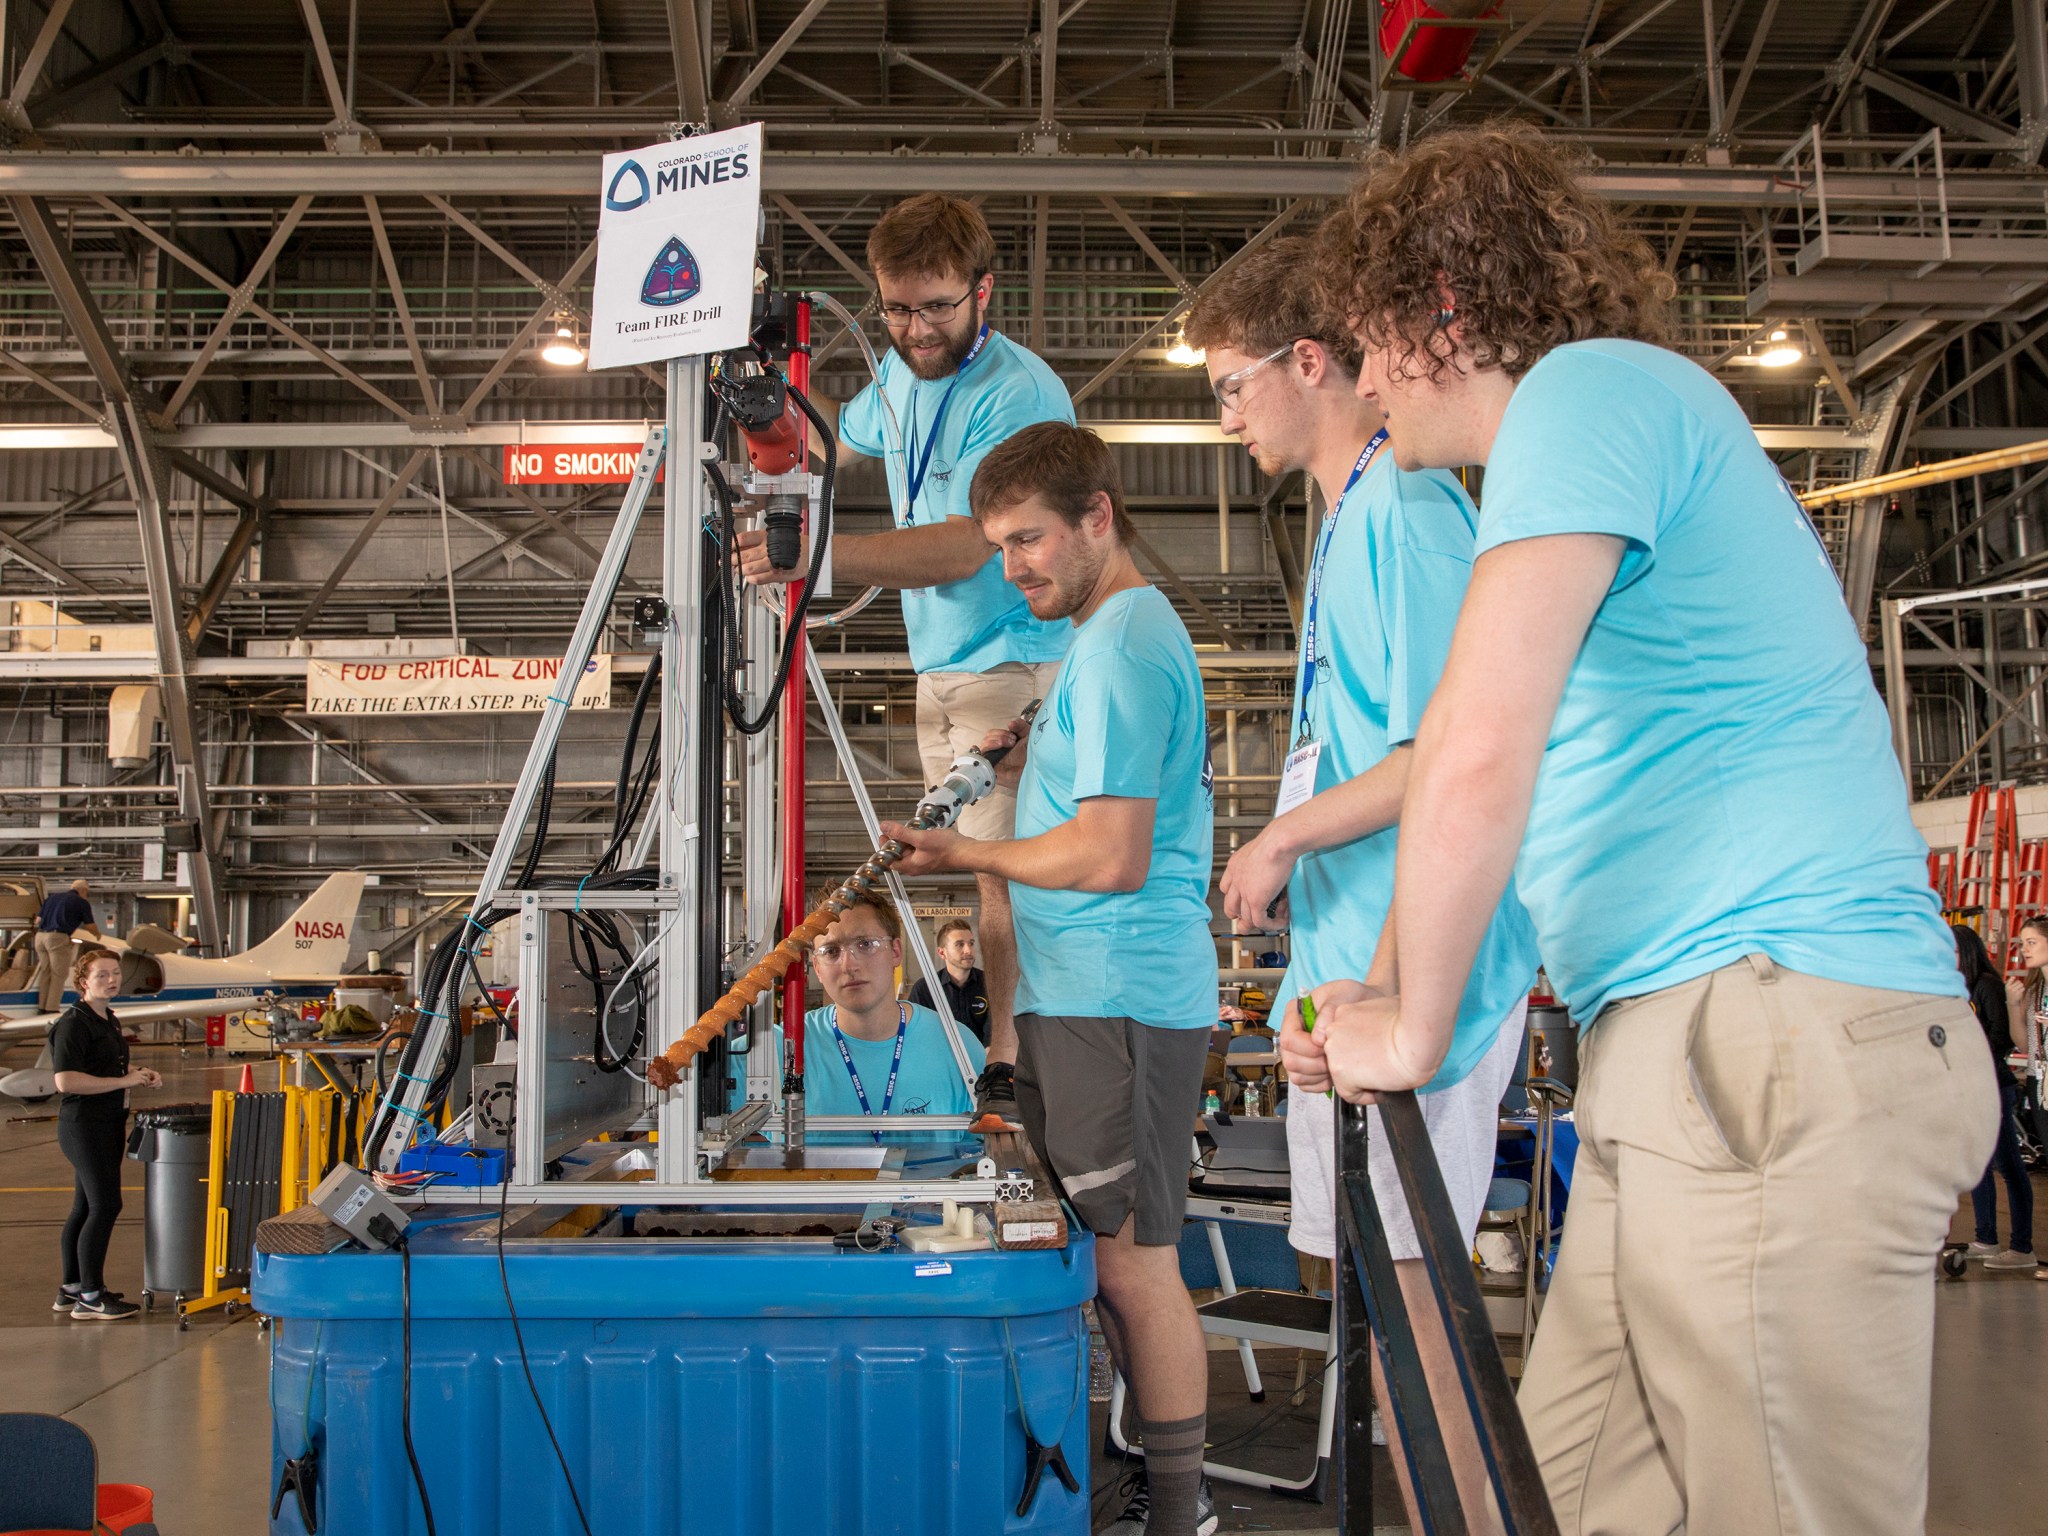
14 110
140 462
687 40
776 50
577 176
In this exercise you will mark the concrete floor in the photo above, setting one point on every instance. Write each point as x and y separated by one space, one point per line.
187 1414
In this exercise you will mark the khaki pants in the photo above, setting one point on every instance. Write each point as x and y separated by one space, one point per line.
1739 1340
956 709
54 954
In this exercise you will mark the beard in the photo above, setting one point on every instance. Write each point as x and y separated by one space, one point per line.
956 339
1068 585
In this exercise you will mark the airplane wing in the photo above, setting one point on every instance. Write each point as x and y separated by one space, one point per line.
144 1013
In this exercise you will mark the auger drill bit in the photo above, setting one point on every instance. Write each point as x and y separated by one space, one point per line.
971 777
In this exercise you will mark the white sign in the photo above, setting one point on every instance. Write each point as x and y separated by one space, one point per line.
675 249
451 685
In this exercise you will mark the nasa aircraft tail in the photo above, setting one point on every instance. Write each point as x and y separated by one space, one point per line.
314 940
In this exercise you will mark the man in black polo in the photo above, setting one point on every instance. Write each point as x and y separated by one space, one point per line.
966 992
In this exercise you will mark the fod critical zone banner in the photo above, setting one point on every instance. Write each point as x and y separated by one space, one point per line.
675 249
450 685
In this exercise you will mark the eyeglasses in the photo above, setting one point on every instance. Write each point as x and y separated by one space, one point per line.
897 316
1229 389
832 954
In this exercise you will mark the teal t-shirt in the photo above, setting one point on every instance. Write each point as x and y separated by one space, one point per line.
1124 717
1719 778
1399 556
982 622
928 1083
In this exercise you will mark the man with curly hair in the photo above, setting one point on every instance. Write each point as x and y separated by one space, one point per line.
1658 718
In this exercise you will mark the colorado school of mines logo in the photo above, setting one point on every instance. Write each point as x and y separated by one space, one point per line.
672 277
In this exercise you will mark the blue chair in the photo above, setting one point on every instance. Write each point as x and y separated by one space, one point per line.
49 1475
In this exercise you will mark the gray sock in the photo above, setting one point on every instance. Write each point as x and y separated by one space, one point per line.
1173 1473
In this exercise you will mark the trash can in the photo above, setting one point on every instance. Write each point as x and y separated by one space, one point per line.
174 1143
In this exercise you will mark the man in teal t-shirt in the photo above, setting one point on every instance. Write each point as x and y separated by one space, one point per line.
951 389
1657 699
865 1053
1389 569
1109 877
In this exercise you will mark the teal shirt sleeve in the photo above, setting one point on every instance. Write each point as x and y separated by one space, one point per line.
861 427
1590 444
1121 704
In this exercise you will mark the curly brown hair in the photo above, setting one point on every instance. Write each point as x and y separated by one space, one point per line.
1267 300
88 957
1492 221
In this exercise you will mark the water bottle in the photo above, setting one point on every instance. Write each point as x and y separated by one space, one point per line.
1101 1374
1251 1098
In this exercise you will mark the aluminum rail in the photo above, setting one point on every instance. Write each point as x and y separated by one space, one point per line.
408 1094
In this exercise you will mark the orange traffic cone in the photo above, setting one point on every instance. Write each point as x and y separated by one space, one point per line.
248 1082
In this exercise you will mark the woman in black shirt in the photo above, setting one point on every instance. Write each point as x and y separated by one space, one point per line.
91 1058
1987 996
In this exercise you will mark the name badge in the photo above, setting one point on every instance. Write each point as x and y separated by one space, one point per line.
1298 778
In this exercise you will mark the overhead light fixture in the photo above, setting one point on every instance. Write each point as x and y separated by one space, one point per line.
1780 351
563 349
1180 354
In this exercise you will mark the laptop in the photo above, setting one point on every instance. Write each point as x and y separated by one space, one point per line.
1251 1151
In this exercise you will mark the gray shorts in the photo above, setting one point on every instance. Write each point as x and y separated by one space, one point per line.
1110 1104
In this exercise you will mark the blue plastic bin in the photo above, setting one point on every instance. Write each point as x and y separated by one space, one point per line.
696 1389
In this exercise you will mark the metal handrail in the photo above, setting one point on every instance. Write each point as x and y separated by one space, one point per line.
1371 1315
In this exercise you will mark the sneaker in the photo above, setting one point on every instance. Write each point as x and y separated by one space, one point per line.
1137 1513
995 1092
67 1299
1137 1506
103 1308
2010 1260
1984 1250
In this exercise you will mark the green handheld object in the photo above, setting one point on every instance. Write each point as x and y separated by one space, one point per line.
1308 1026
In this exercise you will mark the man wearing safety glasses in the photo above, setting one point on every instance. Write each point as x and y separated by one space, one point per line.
1389 569
871 1054
951 389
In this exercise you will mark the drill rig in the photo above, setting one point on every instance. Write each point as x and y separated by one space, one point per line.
687 891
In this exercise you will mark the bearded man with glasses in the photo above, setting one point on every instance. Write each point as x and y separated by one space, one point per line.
956 388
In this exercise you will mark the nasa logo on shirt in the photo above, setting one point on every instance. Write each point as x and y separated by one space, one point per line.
941 474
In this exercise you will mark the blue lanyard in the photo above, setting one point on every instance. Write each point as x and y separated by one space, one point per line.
895 1062
914 474
1305 683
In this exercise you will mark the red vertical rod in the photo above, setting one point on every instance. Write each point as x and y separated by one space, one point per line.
794 906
